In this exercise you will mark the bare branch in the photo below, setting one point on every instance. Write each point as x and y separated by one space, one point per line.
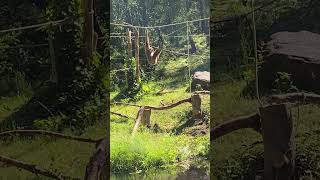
48 133
307 98
250 121
121 115
156 108
34 168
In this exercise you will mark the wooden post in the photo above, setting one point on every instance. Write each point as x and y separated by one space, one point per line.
138 120
129 43
137 56
146 117
196 106
278 138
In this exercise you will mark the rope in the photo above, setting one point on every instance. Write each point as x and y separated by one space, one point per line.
153 27
255 54
188 59
50 23
245 14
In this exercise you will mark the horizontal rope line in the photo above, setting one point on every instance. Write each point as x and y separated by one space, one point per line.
50 23
152 27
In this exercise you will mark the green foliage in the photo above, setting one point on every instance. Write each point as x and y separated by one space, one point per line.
283 83
51 124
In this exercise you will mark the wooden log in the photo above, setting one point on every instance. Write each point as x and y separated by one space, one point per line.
307 98
138 120
153 107
250 121
196 106
33 168
47 133
146 118
278 138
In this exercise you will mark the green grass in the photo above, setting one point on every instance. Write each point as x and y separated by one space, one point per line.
173 147
65 156
11 104
148 150
229 153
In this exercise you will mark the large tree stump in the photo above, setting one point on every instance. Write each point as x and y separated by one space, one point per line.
146 117
278 138
196 106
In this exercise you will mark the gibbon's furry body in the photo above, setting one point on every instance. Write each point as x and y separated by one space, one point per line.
152 54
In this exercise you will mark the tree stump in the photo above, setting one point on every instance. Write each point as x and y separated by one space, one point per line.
278 138
196 106
146 117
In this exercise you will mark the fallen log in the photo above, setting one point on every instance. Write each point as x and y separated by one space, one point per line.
153 107
33 168
97 166
250 121
48 133
307 98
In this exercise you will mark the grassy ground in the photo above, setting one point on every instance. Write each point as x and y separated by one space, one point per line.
231 153
172 146
67 157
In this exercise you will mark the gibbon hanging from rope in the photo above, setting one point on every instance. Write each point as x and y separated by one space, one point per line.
152 54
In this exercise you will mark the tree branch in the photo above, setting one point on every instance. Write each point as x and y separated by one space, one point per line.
34 168
308 98
48 133
250 121
156 108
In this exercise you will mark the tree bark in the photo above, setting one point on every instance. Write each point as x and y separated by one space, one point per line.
278 139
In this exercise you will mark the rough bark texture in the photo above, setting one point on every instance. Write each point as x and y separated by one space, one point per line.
296 53
146 118
196 106
278 138
97 166
250 121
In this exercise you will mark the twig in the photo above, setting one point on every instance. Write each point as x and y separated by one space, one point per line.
48 133
34 168
46 108
121 115
250 121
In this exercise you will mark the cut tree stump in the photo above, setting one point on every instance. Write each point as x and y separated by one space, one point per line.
278 138
146 118
138 120
196 106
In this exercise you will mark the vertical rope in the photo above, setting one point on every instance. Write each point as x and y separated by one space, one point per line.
189 68
255 52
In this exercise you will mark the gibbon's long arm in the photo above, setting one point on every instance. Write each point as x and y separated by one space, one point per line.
152 54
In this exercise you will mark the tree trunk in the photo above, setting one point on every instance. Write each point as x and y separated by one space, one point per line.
278 138
196 106
89 29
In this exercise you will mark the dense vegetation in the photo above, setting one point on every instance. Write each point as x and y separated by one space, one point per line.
47 82
173 143
239 155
